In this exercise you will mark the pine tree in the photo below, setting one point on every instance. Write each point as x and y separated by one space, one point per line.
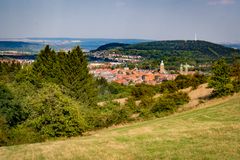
77 78
69 70
45 65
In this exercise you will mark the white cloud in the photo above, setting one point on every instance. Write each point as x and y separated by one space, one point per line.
221 2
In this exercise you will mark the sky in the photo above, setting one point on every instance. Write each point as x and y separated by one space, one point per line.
211 20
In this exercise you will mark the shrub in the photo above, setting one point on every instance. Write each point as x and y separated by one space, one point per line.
142 90
53 114
168 87
170 102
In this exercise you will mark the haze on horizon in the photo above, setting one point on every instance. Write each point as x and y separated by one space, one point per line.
212 20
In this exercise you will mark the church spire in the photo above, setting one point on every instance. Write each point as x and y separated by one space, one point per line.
162 69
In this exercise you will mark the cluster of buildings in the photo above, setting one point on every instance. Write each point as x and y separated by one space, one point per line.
112 56
19 61
135 76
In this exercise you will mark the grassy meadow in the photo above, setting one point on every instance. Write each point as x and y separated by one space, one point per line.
209 132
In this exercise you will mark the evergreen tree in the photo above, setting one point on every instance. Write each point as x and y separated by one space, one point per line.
45 65
69 70
77 78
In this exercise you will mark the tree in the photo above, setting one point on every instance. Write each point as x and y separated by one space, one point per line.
76 77
45 65
53 114
10 109
68 70
220 80
236 73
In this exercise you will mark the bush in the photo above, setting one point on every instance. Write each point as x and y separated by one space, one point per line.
170 102
145 106
198 79
3 131
10 109
109 114
53 114
183 81
168 87
142 90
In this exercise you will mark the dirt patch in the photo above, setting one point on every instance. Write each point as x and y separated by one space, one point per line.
198 95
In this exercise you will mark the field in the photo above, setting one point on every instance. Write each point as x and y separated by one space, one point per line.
210 132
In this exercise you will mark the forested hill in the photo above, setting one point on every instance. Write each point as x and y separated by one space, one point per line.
176 52
111 46
208 48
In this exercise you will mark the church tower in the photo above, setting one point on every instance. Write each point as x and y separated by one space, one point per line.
181 69
162 69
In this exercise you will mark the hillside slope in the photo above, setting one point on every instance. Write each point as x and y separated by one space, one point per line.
211 132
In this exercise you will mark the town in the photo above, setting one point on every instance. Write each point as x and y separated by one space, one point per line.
128 76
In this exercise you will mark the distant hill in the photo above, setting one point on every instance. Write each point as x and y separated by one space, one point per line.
110 46
233 45
19 46
36 44
178 51
207 48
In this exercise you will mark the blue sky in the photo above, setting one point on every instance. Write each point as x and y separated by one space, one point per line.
212 20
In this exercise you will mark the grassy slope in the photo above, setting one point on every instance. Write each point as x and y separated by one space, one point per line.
206 133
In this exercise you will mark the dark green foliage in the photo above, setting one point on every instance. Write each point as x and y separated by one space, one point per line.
198 79
22 134
77 78
207 48
53 114
109 114
170 102
220 80
45 65
110 91
10 108
235 73
176 52
110 46
131 104
183 81
142 90
145 106
69 70
9 70
4 131
168 87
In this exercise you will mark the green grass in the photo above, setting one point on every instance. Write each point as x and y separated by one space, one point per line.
206 133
